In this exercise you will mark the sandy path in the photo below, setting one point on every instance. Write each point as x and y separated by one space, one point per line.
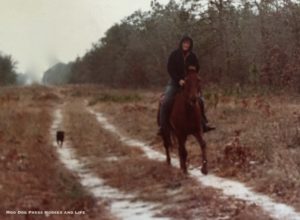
230 188
121 204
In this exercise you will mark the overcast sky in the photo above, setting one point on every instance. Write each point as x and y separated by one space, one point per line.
39 33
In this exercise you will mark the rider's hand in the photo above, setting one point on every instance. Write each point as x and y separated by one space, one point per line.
181 82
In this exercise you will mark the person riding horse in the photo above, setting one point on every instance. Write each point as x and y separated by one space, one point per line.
178 63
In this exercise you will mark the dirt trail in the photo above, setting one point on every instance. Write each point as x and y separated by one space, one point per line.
130 167
257 140
229 188
121 205
33 183
130 171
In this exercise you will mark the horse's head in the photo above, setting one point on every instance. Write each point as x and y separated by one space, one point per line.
192 86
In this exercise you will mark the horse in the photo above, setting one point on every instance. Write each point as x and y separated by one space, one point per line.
185 119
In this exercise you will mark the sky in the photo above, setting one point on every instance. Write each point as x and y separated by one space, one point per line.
40 33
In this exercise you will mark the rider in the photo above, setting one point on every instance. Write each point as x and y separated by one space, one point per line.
178 62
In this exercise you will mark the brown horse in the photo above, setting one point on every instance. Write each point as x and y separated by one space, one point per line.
185 120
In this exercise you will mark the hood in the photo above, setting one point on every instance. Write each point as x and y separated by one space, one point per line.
186 38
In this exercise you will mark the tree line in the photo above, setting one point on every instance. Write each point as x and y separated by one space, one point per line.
58 74
242 42
8 74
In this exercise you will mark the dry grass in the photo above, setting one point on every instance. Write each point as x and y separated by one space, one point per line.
150 180
256 141
31 176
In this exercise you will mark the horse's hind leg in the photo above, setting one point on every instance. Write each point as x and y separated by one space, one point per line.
202 144
167 144
182 153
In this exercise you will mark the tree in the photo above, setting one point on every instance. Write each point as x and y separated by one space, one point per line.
234 40
7 70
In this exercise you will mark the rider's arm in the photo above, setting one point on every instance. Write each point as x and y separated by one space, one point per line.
171 66
196 62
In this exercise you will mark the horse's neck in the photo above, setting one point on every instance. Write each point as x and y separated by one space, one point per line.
180 103
182 107
182 94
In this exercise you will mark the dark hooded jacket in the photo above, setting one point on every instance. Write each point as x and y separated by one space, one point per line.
177 65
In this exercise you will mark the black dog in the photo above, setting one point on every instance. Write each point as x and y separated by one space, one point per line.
60 136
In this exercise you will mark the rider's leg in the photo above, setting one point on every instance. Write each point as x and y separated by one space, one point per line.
205 127
166 106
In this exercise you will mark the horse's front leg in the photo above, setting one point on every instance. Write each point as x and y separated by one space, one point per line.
182 153
202 144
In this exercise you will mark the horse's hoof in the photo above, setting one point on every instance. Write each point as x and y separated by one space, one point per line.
186 174
204 170
184 171
168 162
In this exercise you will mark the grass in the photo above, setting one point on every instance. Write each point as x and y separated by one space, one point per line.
150 180
118 98
268 128
263 127
32 178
